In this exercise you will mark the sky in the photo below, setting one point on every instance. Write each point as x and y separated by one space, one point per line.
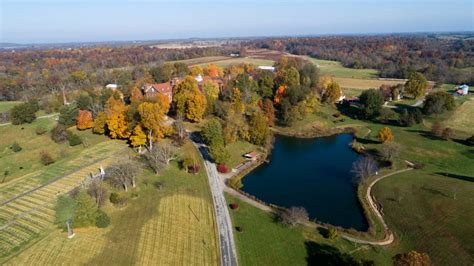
53 21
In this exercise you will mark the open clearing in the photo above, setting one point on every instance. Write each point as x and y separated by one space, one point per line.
336 69
6 106
364 84
174 225
463 117
245 60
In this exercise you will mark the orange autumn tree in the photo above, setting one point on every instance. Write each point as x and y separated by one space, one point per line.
385 135
115 111
84 120
279 94
213 71
136 94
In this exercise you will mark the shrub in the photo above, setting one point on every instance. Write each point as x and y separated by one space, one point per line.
234 206
448 133
59 133
103 220
294 215
23 113
332 233
40 130
239 229
158 185
16 147
74 139
117 199
68 115
46 158
222 168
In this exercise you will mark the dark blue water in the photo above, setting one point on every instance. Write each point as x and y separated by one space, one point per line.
313 173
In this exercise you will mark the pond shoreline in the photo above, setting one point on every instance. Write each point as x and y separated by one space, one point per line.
368 236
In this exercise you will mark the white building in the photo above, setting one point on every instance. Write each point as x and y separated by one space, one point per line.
268 68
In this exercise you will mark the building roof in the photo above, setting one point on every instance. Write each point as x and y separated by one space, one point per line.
251 155
164 87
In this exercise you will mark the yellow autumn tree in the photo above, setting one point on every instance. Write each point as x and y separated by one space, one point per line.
195 107
116 121
196 70
136 94
152 117
138 138
385 135
211 89
99 123
84 120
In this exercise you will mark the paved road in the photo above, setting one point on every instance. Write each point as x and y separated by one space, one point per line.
224 224
39 117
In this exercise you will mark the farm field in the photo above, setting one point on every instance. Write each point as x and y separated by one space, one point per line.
462 118
336 69
174 225
246 60
6 106
201 60
364 84
264 241
27 161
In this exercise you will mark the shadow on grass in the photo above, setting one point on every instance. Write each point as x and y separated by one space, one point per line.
469 154
367 141
460 177
434 191
323 232
321 254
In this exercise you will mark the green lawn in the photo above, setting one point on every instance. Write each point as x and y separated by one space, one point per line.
335 69
235 61
6 106
267 242
237 150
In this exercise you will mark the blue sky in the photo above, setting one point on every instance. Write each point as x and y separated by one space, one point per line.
38 21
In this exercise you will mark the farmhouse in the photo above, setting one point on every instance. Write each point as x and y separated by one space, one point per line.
151 90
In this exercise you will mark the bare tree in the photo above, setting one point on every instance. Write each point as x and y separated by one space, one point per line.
180 132
161 156
294 215
389 151
364 168
97 190
123 174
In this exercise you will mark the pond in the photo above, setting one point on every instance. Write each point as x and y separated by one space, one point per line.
312 173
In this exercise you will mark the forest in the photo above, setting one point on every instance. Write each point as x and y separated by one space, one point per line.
444 60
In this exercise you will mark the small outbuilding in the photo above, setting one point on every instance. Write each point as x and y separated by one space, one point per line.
252 156
462 90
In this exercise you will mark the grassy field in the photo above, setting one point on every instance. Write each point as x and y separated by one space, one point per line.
463 117
267 242
5 106
171 226
238 149
27 161
335 69
201 60
364 84
246 60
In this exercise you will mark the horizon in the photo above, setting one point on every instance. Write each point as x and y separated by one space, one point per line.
55 22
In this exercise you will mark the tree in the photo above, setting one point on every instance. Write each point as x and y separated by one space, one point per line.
437 129
212 133
161 156
98 191
196 70
294 215
219 153
68 115
84 102
188 100
363 168
138 138
389 151
259 130
136 95
86 211
371 103
416 85
46 158
386 114
438 102
213 71
332 93
265 83
412 258
59 133
448 133
153 117
269 111
211 90
116 120
99 123
84 120
180 132
64 209
22 113
162 73
195 107
122 174
385 135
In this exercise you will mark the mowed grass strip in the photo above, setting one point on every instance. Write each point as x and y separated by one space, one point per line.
6 106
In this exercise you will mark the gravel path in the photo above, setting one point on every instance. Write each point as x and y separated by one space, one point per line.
224 224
